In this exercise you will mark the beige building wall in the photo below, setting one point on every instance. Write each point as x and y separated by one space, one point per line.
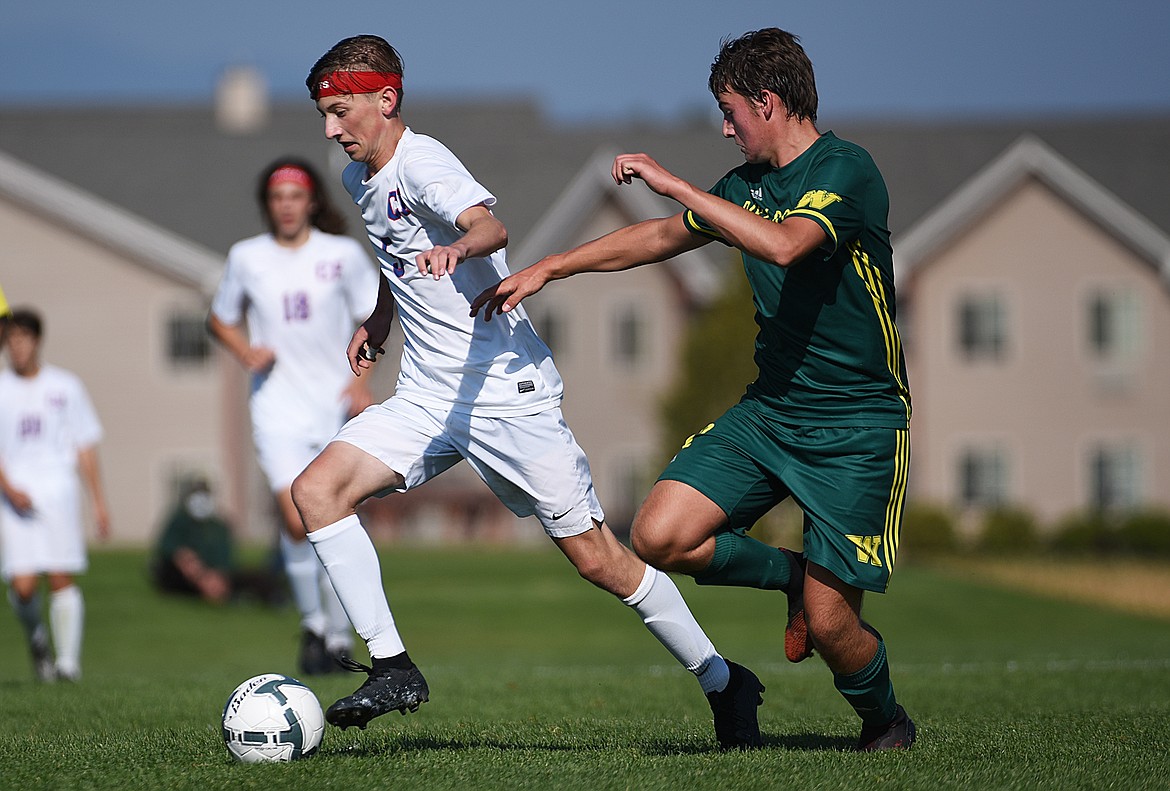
106 320
1048 401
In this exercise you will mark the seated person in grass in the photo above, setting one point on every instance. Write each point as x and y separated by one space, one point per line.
195 555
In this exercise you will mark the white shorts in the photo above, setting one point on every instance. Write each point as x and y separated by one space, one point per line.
282 457
532 463
50 538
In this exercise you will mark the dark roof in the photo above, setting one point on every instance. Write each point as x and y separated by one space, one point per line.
925 162
1027 159
172 166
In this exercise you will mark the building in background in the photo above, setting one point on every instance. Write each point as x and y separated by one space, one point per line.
1036 311
124 303
1049 427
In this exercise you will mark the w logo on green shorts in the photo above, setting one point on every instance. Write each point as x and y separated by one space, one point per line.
867 549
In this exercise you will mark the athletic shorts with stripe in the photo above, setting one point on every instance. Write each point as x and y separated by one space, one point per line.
850 482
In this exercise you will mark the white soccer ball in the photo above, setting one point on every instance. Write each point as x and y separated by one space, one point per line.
272 718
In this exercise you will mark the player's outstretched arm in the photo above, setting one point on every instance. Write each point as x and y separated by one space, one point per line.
646 242
781 243
483 234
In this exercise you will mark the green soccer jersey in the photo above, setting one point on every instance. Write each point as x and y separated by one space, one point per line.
828 349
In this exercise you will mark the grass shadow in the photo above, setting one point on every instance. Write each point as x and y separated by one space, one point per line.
414 744
802 742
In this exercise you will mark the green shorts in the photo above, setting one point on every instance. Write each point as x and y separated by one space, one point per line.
849 481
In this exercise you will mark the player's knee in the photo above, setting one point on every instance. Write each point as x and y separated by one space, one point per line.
658 549
310 493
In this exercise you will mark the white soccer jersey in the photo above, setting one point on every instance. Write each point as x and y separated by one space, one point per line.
450 359
44 421
302 303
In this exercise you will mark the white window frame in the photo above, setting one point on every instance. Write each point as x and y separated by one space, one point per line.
982 326
983 475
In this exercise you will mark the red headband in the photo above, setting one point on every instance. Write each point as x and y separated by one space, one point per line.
291 174
351 82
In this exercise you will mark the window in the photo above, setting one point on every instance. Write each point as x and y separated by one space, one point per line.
1112 324
983 478
982 327
1114 472
629 336
187 340
552 328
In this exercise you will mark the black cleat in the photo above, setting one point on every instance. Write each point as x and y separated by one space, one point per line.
736 724
42 657
898 734
387 689
798 645
314 659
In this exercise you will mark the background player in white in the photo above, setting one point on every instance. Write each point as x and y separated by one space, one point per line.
49 435
487 393
300 288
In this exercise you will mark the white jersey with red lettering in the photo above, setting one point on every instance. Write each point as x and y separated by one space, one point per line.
450 360
302 303
45 420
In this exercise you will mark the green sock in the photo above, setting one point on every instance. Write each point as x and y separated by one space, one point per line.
746 563
869 690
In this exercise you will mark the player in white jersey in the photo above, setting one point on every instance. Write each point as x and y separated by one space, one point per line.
299 289
485 393
49 435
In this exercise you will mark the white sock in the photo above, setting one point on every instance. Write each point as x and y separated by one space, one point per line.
351 561
661 606
27 612
67 620
302 568
338 634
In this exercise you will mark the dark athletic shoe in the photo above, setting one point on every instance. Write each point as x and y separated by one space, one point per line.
42 657
797 644
898 734
314 659
736 724
387 689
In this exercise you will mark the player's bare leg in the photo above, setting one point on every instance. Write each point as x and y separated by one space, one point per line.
325 630
733 691
603 560
856 654
24 596
326 495
676 530
675 527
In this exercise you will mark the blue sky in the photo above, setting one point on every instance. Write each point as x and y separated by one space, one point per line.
609 59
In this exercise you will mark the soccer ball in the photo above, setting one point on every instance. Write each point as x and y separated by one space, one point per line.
272 718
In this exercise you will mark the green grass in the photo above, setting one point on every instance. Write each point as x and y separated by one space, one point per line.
539 681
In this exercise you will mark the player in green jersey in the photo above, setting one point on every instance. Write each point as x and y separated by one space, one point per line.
826 422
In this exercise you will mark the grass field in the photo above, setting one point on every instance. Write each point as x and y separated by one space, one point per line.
539 681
